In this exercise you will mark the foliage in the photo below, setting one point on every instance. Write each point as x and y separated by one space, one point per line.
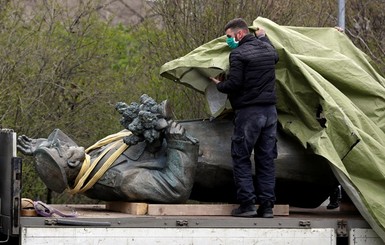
61 68
366 27
190 23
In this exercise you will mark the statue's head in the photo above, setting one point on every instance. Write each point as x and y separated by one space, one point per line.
58 161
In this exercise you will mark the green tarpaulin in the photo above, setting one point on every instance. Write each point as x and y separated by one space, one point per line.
321 77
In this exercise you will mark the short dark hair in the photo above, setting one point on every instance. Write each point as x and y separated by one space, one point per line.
237 23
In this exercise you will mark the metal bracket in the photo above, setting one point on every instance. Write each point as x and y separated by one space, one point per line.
182 223
342 228
50 222
305 223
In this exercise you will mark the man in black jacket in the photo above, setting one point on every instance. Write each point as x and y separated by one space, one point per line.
250 86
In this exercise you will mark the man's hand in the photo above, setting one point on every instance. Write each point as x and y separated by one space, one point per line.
218 79
339 29
260 32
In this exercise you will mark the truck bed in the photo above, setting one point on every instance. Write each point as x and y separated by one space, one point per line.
97 225
318 217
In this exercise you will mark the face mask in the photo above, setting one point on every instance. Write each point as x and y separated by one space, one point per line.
231 42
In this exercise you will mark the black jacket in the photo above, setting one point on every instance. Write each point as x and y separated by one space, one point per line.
251 79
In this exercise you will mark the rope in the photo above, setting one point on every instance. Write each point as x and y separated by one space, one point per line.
117 139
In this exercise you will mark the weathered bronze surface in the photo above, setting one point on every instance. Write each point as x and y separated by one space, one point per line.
303 179
162 163
158 166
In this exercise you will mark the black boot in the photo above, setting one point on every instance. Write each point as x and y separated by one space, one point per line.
335 198
247 209
265 210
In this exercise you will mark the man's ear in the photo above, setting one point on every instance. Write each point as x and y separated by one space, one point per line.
244 33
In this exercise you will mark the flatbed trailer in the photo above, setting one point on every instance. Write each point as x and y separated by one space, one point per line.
97 225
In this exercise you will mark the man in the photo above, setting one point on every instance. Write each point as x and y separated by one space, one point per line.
250 86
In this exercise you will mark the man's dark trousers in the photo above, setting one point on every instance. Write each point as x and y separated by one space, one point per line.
255 127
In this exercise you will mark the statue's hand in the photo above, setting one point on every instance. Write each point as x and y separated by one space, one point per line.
175 131
27 145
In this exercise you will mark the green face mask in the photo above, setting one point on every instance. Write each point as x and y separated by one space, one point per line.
231 42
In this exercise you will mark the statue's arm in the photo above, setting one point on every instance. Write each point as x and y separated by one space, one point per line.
173 183
178 176
27 145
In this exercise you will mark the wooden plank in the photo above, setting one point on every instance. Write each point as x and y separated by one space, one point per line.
128 207
204 209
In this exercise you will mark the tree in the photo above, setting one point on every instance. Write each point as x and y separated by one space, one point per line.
190 23
61 68
65 65
366 27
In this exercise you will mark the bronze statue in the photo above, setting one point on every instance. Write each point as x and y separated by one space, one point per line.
155 160
152 160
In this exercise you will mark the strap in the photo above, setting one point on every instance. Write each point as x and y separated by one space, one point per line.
45 210
80 185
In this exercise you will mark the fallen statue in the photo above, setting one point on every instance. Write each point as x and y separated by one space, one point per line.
152 160
156 160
